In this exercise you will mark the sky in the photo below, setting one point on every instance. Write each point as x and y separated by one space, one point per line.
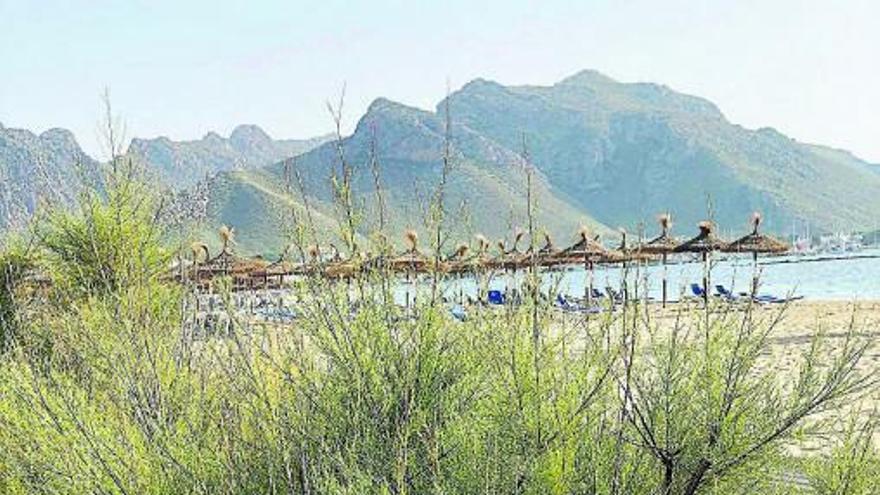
180 69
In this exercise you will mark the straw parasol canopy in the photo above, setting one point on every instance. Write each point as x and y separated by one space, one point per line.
200 254
458 261
586 248
756 242
345 268
248 266
705 242
546 255
548 247
511 259
624 253
281 267
197 249
225 262
410 260
663 243
312 265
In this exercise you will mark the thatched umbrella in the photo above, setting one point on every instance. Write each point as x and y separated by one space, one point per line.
311 265
411 260
197 248
548 252
545 256
345 268
282 267
481 262
474 261
457 263
510 259
454 262
342 268
251 271
622 255
225 262
662 245
705 243
756 243
588 250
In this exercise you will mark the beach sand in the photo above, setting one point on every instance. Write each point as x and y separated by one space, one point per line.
797 326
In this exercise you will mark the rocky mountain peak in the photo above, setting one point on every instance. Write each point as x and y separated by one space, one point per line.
248 135
61 137
587 77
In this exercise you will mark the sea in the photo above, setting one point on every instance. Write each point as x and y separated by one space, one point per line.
845 276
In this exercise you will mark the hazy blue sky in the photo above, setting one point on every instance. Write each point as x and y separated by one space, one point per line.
809 68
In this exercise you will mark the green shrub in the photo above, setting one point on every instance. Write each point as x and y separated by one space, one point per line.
111 240
122 390
16 262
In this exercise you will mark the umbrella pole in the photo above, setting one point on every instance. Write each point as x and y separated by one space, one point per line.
407 289
589 282
590 291
664 279
706 277
754 273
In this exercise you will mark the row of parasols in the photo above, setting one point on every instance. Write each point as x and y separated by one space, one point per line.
587 250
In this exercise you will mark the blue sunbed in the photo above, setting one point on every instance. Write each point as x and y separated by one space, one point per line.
698 291
496 297
571 307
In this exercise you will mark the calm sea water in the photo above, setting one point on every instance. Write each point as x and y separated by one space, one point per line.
848 278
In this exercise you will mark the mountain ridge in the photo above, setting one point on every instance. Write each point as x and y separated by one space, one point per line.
605 153
608 153
49 166
186 162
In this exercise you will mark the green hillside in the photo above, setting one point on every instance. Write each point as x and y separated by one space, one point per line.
485 192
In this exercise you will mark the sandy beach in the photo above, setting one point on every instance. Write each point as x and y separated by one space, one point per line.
799 323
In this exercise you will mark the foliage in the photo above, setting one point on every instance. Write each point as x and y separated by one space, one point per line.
16 260
852 465
109 241
359 397
128 384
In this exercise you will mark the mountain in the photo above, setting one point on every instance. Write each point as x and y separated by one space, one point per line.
46 167
605 152
183 163
625 152
484 193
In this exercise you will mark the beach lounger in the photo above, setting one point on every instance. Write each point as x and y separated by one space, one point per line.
496 297
721 291
570 307
760 298
771 299
614 295
698 291
458 312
